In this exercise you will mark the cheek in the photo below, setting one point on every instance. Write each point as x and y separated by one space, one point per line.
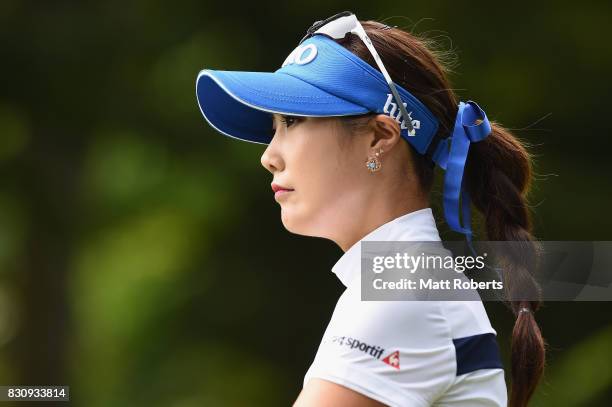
328 175
328 184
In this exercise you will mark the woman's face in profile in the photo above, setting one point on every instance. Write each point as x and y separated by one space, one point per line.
323 167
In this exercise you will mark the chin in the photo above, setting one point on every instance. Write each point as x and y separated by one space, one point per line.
297 224
288 220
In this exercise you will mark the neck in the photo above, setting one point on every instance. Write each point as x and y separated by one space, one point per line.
377 214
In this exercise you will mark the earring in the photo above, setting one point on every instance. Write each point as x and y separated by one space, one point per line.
373 163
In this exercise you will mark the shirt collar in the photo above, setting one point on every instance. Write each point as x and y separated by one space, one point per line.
417 226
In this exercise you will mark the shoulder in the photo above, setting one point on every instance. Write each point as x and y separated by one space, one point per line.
412 323
396 352
402 352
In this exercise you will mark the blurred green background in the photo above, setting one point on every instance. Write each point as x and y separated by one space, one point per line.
142 257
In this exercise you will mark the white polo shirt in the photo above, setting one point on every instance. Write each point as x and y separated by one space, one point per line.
409 353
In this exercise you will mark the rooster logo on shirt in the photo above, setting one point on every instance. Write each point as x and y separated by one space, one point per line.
393 360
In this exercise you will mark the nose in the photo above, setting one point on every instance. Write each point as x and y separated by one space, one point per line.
271 158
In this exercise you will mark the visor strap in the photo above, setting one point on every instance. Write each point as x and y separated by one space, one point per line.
456 197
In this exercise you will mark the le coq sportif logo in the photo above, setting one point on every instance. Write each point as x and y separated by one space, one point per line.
392 359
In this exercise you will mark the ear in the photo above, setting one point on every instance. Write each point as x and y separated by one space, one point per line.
385 132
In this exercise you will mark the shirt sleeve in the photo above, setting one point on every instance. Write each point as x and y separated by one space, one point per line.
397 352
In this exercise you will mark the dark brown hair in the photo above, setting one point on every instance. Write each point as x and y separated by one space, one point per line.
497 176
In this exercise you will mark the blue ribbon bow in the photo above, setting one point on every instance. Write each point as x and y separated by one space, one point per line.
466 131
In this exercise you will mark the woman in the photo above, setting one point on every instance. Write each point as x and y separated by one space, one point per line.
333 106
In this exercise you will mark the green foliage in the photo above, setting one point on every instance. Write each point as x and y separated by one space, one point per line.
136 243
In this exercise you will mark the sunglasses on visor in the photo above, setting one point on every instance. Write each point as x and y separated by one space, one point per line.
336 27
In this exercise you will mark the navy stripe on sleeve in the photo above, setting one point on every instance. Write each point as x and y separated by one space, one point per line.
477 352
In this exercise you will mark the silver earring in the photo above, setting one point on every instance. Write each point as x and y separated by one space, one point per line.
373 163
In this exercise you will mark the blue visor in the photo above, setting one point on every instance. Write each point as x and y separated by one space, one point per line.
319 78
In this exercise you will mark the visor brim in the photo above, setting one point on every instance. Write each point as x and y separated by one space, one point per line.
240 104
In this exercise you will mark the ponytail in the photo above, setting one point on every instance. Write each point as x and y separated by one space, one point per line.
498 176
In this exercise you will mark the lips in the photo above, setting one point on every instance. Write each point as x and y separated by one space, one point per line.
280 190
277 187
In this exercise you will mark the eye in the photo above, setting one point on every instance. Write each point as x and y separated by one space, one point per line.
287 120
290 120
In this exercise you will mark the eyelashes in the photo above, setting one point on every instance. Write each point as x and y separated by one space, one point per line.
288 121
